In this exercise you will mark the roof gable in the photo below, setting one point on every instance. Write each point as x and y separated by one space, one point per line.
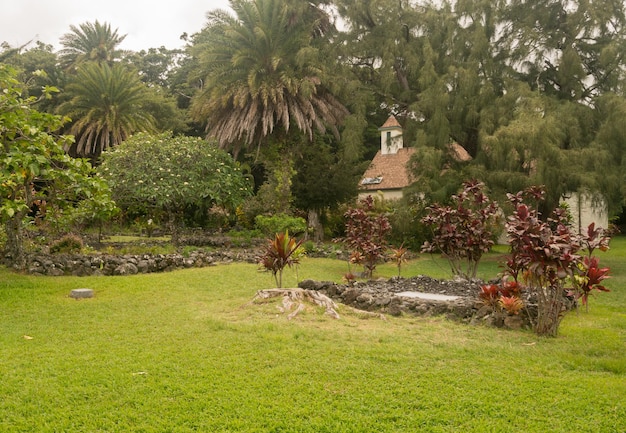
391 122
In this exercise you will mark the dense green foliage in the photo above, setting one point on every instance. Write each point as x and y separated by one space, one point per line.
161 175
270 225
36 175
532 91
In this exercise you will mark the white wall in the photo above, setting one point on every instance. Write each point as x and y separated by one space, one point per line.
585 210
391 146
394 194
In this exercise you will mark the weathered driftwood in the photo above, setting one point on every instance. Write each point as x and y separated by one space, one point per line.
293 299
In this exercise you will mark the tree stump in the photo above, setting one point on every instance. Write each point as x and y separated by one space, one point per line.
293 300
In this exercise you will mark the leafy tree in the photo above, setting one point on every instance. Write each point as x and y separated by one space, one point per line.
524 87
168 93
35 170
106 107
163 174
316 194
39 67
94 42
570 50
262 71
155 65
162 107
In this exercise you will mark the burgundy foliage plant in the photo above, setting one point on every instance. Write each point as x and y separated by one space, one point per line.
545 255
366 235
463 231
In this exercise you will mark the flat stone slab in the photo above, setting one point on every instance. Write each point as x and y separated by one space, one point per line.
428 296
81 293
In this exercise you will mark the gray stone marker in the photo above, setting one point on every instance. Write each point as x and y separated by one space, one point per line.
81 293
428 296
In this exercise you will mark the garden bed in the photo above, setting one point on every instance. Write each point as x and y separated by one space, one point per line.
423 296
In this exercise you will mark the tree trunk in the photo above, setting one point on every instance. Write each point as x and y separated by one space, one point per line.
550 309
173 226
15 241
316 225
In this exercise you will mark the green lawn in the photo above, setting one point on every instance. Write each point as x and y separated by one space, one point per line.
187 351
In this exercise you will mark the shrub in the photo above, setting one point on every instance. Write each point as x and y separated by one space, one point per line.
399 256
463 231
309 247
69 243
544 255
280 223
591 275
280 252
505 295
366 234
512 304
407 227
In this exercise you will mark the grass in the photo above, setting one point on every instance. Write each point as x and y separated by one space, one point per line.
187 351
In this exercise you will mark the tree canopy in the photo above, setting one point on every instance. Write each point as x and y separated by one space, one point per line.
520 85
107 106
261 71
163 174
94 42
532 90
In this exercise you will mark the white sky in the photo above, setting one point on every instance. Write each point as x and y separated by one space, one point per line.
147 23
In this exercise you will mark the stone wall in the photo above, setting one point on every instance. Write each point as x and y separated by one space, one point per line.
129 264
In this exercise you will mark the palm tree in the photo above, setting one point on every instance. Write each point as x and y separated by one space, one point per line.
106 107
262 71
90 42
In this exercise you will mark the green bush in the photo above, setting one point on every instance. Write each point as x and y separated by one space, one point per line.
406 227
280 223
309 247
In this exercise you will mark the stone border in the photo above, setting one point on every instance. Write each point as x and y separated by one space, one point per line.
130 264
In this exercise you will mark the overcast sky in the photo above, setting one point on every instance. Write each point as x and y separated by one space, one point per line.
147 23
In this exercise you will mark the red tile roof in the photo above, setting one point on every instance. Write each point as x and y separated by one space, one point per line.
459 153
391 122
392 168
